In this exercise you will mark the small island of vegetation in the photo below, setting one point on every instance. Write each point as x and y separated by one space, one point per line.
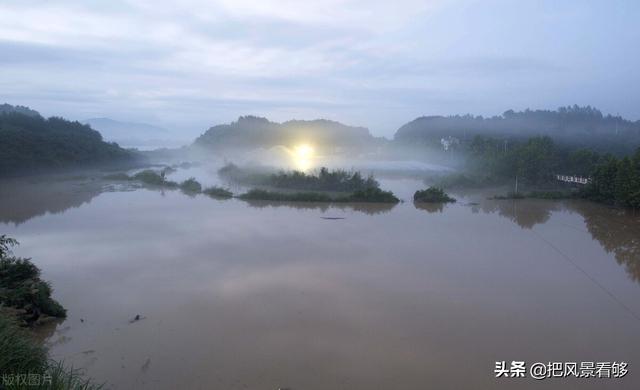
337 180
190 186
324 186
432 195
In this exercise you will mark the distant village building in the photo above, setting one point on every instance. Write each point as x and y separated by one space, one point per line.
449 142
573 179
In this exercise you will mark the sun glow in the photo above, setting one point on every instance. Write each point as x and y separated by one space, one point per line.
304 151
303 154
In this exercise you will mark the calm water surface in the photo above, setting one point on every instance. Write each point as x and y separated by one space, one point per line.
238 295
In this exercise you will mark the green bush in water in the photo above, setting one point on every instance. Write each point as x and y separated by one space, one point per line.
218 192
337 180
432 195
149 176
257 194
191 185
371 194
325 180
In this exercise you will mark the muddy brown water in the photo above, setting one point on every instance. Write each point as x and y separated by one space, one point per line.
237 295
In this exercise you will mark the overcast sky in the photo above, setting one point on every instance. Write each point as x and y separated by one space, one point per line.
190 64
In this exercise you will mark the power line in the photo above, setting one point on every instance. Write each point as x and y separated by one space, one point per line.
591 278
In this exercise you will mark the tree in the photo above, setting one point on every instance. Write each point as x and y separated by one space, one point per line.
623 181
536 161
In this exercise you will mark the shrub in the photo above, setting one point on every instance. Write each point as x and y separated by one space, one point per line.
150 177
371 194
191 185
218 192
324 180
432 195
337 180
257 194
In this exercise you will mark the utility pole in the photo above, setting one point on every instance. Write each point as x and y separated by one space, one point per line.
516 191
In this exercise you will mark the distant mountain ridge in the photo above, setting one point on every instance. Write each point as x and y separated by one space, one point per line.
255 132
582 126
131 134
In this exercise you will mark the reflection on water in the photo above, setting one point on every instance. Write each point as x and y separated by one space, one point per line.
525 213
23 199
366 208
265 295
618 231
430 207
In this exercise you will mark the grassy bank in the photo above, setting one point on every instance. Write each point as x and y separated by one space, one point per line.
25 301
24 363
22 292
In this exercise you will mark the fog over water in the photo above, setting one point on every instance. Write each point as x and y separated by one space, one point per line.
263 295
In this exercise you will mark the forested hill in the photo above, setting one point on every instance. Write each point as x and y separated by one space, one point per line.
255 132
578 126
29 142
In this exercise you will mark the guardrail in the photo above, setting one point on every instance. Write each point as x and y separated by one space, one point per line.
573 179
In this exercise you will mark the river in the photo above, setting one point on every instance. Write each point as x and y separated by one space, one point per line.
237 295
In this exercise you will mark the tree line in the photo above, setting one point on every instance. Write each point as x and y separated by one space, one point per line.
31 142
536 161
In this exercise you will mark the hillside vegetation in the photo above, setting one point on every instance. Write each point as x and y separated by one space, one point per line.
31 142
255 132
579 127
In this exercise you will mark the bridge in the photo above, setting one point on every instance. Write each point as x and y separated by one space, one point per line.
573 179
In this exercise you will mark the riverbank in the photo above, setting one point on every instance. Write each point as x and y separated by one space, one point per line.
26 303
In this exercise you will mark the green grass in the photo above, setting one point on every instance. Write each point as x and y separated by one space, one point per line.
217 192
432 195
21 354
23 299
